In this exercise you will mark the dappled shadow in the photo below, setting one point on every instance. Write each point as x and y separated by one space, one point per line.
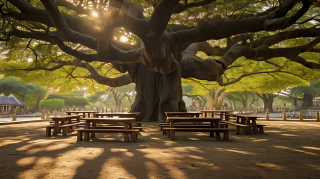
285 150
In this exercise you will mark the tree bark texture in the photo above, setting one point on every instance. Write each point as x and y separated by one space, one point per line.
267 101
157 94
307 101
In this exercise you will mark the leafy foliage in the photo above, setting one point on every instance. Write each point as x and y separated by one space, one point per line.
70 99
52 103
27 92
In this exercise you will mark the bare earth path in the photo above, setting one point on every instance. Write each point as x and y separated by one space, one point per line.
287 150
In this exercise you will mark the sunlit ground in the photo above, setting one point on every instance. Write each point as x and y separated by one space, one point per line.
287 150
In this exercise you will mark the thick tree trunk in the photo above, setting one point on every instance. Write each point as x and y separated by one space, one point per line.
268 101
38 102
156 94
307 100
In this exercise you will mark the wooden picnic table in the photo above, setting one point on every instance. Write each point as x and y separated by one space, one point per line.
222 112
120 115
214 123
92 123
90 113
247 120
180 114
61 120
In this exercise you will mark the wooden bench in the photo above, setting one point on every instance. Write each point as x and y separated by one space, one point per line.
118 127
164 132
260 127
63 127
87 131
139 124
224 130
186 124
238 126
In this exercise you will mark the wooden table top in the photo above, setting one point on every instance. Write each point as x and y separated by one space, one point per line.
109 119
118 114
186 113
217 111
81 112
65 117
193 119
242 115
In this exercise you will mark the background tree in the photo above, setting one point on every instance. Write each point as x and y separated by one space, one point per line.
30 93
307 93
74 100
52 103
161 43
123 92
192 94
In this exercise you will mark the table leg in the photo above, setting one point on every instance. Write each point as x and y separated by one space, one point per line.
254 125
133 134
216 125
247 129
227 117
211 126
172 132
205 114
126 135
56 128
69 128
94 124
86 134
61 123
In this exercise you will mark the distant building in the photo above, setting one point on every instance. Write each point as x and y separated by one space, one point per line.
316 101
11 103
51 90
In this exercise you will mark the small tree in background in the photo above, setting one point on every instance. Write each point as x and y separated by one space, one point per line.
71 99
52 103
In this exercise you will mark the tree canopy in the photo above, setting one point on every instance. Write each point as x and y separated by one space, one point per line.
52 103
156 43
29 93
70 99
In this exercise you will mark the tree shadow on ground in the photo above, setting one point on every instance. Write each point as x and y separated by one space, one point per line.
285 150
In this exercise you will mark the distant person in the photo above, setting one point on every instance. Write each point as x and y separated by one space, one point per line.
194 104
225 104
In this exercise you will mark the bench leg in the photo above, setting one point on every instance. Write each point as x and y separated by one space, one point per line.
48 131
226 135
126 137
238 130
79 136
247 130
64 131
218 135
261 130
86 136
133 136
164 132
172 135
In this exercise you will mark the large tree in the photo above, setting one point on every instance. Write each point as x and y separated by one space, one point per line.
160 54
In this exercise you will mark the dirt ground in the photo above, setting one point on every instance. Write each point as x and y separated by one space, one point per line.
287 150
